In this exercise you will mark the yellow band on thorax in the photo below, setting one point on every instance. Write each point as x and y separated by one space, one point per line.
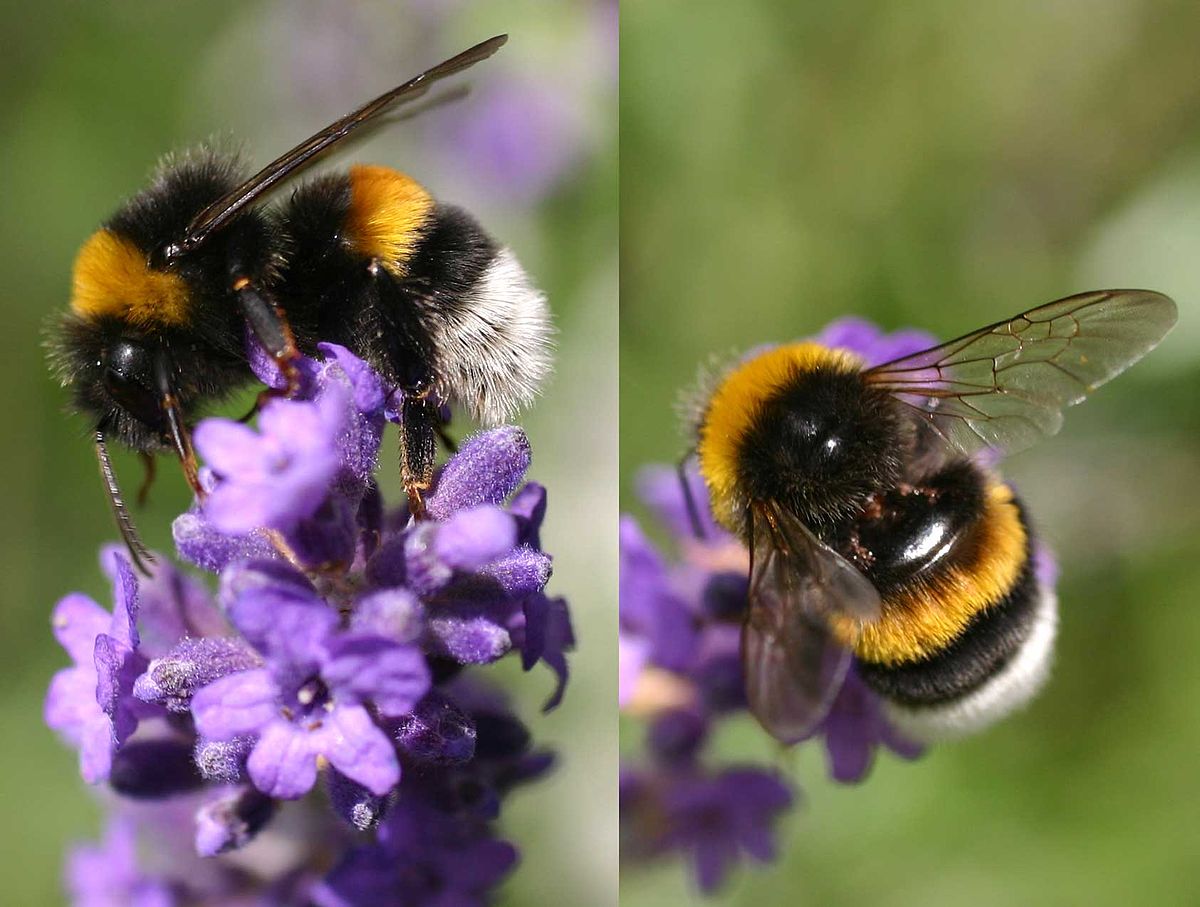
113 279
737 403
387 213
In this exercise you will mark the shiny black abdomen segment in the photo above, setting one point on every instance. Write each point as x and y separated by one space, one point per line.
914 533
991 639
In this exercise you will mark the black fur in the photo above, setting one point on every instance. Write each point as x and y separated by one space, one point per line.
207 354
988 643
822 447
333 292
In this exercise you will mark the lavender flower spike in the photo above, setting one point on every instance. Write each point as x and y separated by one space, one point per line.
336 651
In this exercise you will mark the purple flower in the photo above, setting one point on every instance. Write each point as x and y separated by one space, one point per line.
341 630
91 704
423 856
279 475
312 697
710 819
108 874
521 134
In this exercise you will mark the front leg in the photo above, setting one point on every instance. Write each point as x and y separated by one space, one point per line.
270 325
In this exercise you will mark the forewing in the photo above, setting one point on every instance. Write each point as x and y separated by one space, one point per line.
792 665
1005 386
223 209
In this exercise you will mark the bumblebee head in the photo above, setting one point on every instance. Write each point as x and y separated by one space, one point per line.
114 374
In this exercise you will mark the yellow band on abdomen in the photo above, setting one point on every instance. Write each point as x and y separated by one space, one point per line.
387 213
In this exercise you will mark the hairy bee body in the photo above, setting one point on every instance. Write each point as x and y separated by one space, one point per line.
167 292
965 632
124 305
415 287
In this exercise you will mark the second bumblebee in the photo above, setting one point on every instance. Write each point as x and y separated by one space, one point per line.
875 533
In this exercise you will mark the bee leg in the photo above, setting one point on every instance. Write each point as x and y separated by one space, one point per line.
688 498
149 469
270 325
418 450
181 439
177 432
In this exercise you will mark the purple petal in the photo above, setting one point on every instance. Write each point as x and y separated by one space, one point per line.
486 470
171 681
528 505
649 607
290 634
242 703
229 447
359 749
283 763
521 573
367 388
547 636
364 668
468 635
667 497
111 657
474 536
199 542
77 621
125 602
632 654
393 613
71 702
239 507
172 605
96 747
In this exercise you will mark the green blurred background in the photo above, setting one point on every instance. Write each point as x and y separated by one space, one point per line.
92 95
945 165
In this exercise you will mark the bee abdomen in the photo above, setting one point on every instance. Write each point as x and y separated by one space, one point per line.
489 323
995 665
417 288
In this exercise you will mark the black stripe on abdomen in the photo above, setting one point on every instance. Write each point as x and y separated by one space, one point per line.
989 642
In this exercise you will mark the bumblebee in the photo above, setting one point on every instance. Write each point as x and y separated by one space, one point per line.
166 291
877 535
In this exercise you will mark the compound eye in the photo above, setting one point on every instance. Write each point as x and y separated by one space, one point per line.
129 380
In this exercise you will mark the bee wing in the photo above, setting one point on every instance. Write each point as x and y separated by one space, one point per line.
223 209
792 665
1005 386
